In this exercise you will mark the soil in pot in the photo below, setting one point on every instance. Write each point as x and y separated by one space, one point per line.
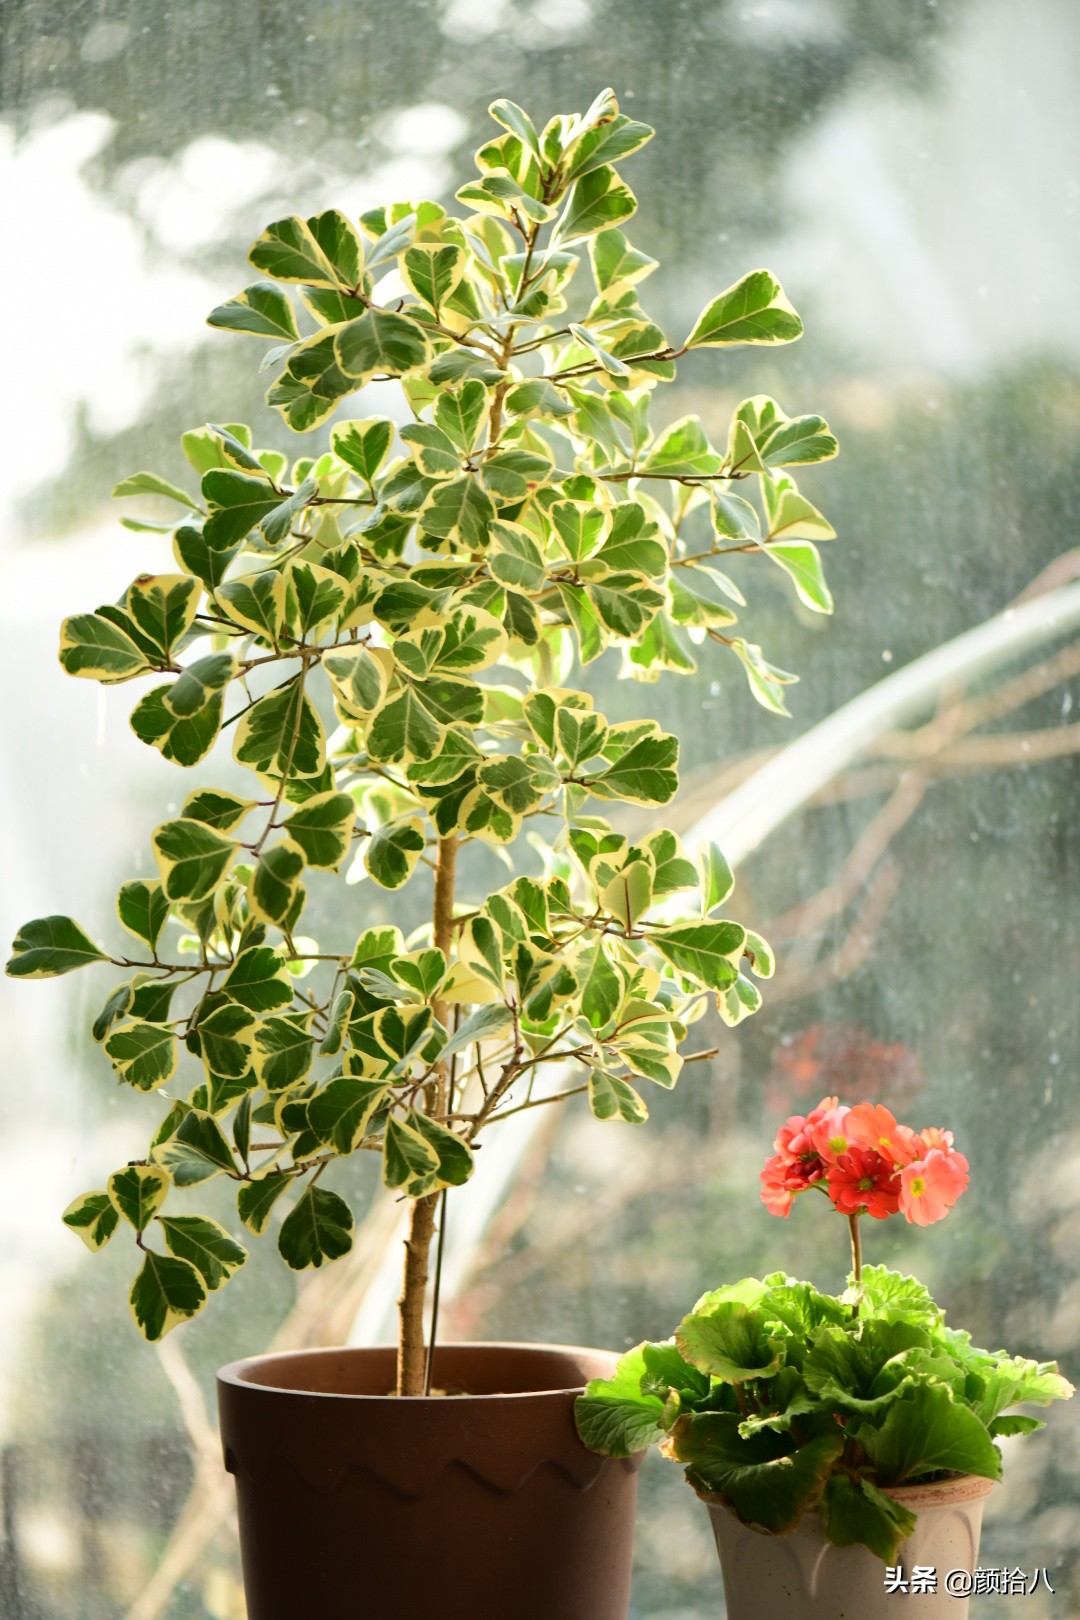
357 1505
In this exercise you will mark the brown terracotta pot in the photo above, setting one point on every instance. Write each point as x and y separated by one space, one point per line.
801 1576
357 1505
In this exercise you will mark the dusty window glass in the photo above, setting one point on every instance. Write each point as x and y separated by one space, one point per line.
910 171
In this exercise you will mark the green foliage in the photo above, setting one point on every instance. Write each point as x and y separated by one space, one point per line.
207 1246
166 1292
49 946
317 1229
387 632
781 1400
94 1217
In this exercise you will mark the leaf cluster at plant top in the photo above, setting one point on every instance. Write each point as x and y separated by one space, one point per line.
784 1401
436 585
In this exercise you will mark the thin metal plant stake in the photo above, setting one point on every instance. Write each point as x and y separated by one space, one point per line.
435 1295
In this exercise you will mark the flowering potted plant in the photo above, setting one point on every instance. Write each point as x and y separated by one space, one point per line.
843 1445
387 630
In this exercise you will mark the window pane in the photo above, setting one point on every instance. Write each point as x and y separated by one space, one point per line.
910 172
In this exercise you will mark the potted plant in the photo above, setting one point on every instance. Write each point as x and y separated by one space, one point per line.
843 1445
386 630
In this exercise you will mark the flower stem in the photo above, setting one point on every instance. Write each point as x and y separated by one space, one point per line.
856 1254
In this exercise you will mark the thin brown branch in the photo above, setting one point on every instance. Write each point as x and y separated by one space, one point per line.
539 1102
1011 748
801 980
701 1057
879 895
977 711
207 1510
674 1168
202 1436
460 1316
812 914
1059 572
998 750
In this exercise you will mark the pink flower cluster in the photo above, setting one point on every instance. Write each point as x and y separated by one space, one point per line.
866 1162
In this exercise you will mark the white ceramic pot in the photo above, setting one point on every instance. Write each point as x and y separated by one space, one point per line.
801 1576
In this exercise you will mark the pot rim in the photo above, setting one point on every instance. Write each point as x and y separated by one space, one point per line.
955 1489
932 1492
235 1373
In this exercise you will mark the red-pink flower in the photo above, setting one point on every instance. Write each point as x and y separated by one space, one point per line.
933 1137
829 1135
796 1164
867 1162
871 1125
930 1187
795 1136
779 1186
861 1179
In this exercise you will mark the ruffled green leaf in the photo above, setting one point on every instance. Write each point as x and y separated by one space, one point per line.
926 1431
855 1511
766 1484
614 1416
